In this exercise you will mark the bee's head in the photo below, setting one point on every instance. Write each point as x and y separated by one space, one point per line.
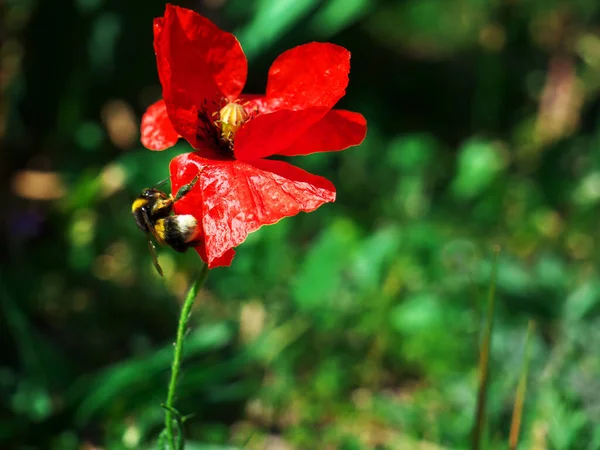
151 193
149 206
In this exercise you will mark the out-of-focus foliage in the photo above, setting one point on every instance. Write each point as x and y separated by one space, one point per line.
354 327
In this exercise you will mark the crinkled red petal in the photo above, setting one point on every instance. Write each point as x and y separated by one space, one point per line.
222 261
310 75
338 130
233 198
198 64
157 132
182 174
269 134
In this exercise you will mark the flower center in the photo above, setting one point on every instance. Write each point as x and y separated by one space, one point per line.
231 117
219 128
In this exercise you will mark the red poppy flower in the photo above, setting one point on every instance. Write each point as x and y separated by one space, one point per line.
202 70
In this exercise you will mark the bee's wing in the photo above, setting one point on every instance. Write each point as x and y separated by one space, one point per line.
148 224
152 249
151 245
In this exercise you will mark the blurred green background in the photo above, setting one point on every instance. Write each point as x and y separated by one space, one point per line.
354 327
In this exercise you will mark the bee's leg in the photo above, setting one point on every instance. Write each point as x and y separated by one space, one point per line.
183 190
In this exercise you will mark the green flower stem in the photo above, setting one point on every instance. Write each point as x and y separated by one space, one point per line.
177 357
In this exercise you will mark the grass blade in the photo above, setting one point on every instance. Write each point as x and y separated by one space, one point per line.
484 358
515 424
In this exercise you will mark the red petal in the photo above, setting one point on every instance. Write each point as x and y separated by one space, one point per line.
156 129
234 198
338 130
309 75
181 174
222 261
255 104
304 84
197 63
270 134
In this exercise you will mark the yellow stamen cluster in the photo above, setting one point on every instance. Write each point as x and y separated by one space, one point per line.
231 117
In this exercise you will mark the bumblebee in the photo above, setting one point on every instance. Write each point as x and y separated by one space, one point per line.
153 214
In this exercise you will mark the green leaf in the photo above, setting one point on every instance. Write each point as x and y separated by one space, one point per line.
336 15
479 162
320 277
412 152
418 314
123 379
200 446
270 22
581 301
372 255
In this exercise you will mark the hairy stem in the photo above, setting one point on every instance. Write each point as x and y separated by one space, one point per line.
178 355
